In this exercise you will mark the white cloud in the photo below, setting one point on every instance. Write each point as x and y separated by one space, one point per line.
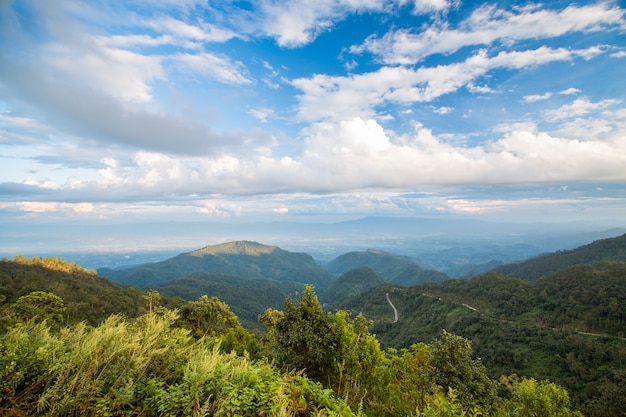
489 24
619 54
443 109
297 22
353 155
570 91
579 107
431 6
536 97
327 97
201 31
219 68
51 207
261 113
117 72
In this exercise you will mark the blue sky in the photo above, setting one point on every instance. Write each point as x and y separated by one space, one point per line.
144 110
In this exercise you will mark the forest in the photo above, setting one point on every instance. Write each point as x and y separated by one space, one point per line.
196 359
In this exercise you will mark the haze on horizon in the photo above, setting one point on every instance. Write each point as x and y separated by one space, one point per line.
157 117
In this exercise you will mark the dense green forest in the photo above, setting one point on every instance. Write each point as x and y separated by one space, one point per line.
196 359
243 259
568 327
611 249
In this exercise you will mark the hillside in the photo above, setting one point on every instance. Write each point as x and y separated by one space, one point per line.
243 259
568 327
402 270
612 249
350 284
247 298
87 297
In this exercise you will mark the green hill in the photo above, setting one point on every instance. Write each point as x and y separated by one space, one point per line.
87 297
568 327
247 298
351 284
612 249
401 270
249 260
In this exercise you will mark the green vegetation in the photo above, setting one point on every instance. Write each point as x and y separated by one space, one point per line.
72 343
401 270
246 297
248 260
613 249
166 363
350 284
567 327
85 296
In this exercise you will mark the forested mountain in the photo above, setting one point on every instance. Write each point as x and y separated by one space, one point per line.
398 269
86 296
611 249
247 298
350 284
568 327
243 259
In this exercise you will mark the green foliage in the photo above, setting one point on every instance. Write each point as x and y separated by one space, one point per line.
85 295
401 270
249 260
454 368
207 316
37 306
533 398
351 284
613 249
144 367
247 298
198 360
567 327
304 338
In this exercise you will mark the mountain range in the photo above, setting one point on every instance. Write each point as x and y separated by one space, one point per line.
558 316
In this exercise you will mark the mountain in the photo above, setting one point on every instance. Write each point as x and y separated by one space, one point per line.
398 269
243 259
247 298
611 249
352 283
86 296
567 327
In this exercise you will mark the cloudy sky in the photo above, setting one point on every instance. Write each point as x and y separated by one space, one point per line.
155 110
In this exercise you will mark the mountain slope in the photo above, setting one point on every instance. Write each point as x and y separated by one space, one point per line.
351 284
567 327
247 298
612 249
86 296
401 270
249 260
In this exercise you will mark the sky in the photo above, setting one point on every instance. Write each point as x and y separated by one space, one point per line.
146 111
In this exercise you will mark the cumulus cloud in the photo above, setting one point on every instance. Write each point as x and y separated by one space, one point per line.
359 154
579 107
297 22
489 24
337 97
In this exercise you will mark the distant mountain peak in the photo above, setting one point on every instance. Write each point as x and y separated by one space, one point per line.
240 247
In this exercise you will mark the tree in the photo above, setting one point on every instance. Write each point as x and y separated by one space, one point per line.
304 337
533 398
37 306
207 316
453 367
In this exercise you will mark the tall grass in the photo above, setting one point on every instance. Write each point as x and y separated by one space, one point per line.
144 367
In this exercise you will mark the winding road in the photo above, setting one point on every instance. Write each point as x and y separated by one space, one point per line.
395 311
